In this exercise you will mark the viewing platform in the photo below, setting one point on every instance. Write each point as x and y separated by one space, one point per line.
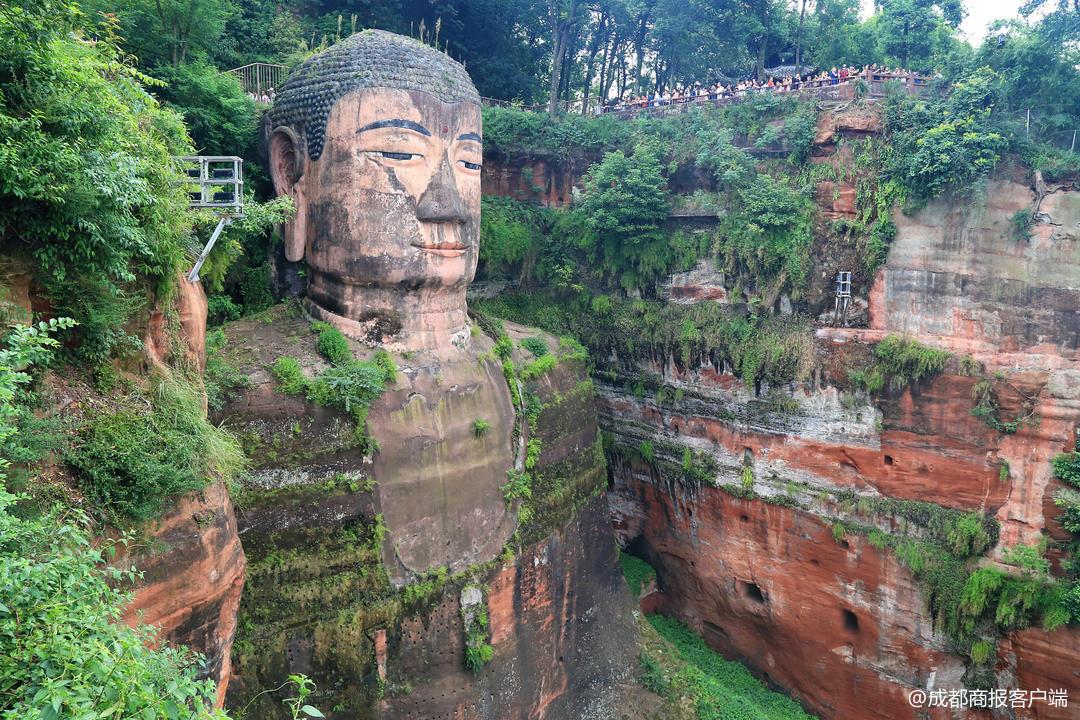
866 84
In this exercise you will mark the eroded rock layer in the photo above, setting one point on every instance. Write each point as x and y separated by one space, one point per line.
744 500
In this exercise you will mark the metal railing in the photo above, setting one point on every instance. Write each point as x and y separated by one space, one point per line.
220 181
259 79
875 84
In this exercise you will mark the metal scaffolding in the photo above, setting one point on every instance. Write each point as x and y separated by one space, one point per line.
215 182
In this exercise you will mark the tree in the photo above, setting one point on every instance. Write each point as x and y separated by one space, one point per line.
563 19
624 202
836 37
219 115
168 31
908 28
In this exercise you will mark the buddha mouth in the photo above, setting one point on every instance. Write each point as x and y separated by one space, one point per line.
443 249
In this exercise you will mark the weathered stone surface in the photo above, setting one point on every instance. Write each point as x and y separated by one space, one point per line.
956 274
549 182
836 199
193 574
438 482
703 282
1044 661
190 308
561 627
839 624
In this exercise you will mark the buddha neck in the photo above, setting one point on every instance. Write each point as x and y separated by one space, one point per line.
426 319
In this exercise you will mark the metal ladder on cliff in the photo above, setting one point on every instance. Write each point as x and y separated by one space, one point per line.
216 183
843 297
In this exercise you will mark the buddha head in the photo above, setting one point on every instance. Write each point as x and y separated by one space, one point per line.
378 142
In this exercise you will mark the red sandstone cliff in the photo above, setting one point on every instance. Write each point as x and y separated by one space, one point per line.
840 624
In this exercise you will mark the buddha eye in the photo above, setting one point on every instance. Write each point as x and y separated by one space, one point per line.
398 155
470 165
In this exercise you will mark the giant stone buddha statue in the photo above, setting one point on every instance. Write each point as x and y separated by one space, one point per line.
378 141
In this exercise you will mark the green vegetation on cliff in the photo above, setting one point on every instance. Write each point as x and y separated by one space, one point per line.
147 447
898 361
756 348
637 572
63 651
716 688
348 384
682 669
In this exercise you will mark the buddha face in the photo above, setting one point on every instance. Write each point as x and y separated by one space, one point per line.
392 204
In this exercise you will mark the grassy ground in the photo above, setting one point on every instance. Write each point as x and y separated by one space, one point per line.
695 682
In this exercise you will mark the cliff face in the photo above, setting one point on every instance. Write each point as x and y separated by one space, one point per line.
193 564
193 576
366 574
761 565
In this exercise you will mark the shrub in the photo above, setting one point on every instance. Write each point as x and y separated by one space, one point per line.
637 572
386 365
510 230
1071 601
480 427
532 453
478 655
1067 468
517 487
898 361
289 375
255 289
504 348
967 535
222 381
538 367
131 461
981 652
351 387
332 343
1020 224
769 234
624 202
536 346
64 651
1069 501
221 308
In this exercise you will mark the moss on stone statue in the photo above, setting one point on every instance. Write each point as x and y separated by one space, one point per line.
560 489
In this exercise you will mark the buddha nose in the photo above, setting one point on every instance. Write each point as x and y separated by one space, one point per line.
441 202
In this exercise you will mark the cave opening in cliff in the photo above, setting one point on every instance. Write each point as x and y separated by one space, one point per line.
751 591
888 460
851 620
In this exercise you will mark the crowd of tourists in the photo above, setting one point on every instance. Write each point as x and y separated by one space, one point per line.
266 97
790 82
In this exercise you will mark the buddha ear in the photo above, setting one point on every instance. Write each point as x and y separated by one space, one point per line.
287 156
